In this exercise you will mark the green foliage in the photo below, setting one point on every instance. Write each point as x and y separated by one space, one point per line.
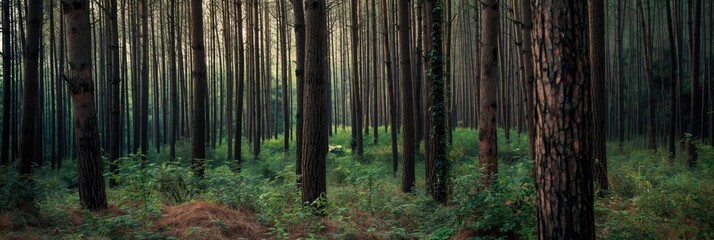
651 197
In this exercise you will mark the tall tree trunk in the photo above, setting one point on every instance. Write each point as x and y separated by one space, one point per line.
115 140
92 194
174 78
647 40
563 157
438 167
315 133
355 87
198 156
300 79
673 52
390 86
28 141
596 12
227 40
405 84
7 83
240 79
489 88
696 91
284 75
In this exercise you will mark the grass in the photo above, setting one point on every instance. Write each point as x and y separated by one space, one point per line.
651 198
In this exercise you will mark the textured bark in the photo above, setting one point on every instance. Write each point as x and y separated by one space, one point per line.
563 160
488 147
144 85
436 164
299 16
31 56
198 154
92 193
598 60
316 120
405 84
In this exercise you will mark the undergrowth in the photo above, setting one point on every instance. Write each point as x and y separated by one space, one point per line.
651 197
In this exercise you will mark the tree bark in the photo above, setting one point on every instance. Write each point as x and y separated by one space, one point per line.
405 84
563 160
355 88
7 83
198 155
28 135
488 147
92 194
316 122
596 11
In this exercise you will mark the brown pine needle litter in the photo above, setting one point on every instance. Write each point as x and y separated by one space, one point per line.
205 220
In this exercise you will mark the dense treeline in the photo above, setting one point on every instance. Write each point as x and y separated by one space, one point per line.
100 81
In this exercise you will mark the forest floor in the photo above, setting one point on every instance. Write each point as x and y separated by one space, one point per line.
651 197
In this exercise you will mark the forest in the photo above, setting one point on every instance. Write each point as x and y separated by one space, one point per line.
357 119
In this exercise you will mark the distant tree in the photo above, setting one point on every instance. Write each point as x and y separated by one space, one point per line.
316 123
696 91
390 88
92 193
563 160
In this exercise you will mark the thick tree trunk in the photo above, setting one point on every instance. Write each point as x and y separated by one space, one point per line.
316 122
198 156
489 87
92 194
673 51
563 160
227 40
